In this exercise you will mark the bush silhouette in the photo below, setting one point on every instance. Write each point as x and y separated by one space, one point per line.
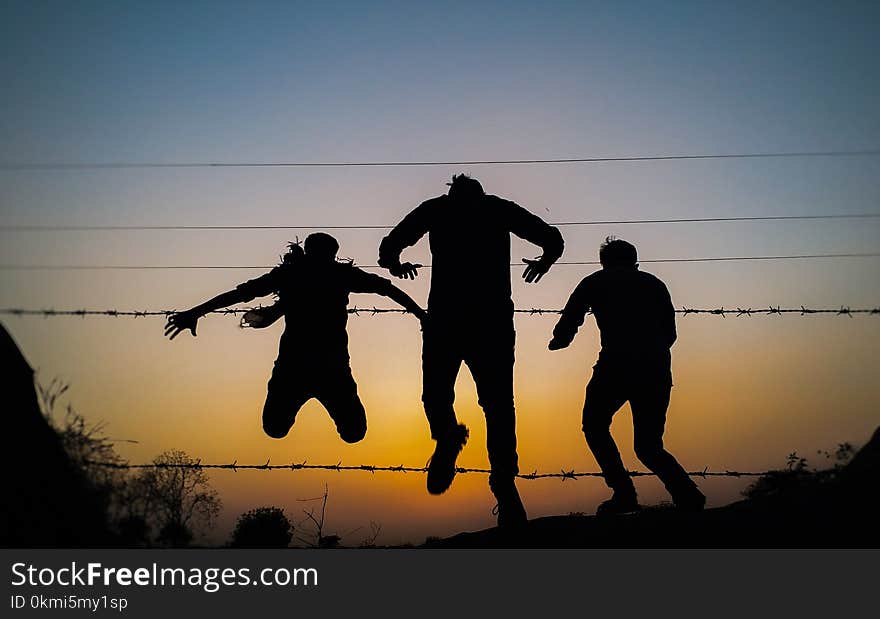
798 475
263 527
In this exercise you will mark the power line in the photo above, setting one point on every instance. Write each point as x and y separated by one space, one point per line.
23 166
131 267
841 310
679 220
371 468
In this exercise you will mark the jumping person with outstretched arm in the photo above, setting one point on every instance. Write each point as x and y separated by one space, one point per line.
470 320
636 322
313 359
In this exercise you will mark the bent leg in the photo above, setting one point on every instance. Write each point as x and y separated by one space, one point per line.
604 397
287 391
649 405
338 393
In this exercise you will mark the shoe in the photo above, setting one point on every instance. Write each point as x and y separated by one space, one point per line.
691 501
441 466
510 510
619 503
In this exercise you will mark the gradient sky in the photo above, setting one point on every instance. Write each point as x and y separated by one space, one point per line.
228 82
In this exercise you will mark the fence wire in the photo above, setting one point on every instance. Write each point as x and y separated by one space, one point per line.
595 222
563 474
248 267
374 311
21 166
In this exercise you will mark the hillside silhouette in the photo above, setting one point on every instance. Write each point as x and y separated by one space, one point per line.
48 500
838 508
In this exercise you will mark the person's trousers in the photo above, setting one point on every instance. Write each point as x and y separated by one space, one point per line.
293 383
487 347
648 395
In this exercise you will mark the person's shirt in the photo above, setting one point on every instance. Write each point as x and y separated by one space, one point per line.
470 249
314 297
633 311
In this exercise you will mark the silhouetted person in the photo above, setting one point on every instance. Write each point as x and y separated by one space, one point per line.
313 359
470 320
636 321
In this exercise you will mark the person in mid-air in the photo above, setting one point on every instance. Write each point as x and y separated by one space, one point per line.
313 361
636 321
471 321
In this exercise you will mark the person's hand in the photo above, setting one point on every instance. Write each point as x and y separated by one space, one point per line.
407 270
422 315
535 270
181 321
558 344
255 319
261 317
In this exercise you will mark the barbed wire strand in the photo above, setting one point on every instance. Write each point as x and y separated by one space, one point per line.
374 311
563 474
117 165
149 267
677 220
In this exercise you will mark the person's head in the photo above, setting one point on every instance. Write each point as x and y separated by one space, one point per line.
617 253
464 187
321 246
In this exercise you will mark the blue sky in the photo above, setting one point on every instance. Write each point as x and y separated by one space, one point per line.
401 81
227 81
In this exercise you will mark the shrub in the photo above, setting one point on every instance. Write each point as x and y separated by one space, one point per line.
263 527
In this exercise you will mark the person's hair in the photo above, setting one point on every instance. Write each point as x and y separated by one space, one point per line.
463 186
295 251
322 246
617 253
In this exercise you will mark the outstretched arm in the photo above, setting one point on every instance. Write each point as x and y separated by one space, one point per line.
361 281
572 315
188 320
535 230
405 234
405 301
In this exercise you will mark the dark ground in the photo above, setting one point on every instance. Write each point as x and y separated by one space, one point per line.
828 509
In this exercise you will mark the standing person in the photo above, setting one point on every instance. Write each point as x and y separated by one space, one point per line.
470 320
636 321
313 361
